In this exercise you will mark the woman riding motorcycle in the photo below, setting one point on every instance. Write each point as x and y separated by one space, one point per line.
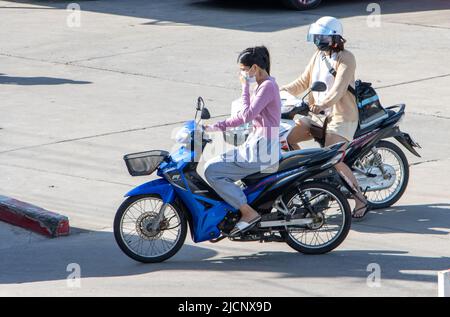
262 149
337 102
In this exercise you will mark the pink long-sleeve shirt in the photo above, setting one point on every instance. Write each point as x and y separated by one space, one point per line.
264 110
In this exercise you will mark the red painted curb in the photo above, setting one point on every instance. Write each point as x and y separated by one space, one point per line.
33 218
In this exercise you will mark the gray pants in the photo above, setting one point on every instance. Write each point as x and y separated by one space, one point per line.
221 173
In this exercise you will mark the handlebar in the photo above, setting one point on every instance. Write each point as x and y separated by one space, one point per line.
202 131
303 110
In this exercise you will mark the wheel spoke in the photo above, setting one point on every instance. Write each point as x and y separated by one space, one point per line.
137 229
390 158
329 208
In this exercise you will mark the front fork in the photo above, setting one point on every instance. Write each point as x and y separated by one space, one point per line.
156 224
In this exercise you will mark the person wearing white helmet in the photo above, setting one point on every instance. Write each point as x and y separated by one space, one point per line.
337 102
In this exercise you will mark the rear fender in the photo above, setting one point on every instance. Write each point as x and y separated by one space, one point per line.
406 140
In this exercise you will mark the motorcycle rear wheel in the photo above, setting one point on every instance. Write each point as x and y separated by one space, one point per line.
297 238
387 197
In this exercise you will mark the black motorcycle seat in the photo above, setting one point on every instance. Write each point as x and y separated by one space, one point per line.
292 160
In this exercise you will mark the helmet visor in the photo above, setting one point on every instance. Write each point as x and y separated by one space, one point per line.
319 39
318 29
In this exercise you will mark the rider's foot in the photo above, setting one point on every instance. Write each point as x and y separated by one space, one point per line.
361 206
248 213
249 218
359 213
243 226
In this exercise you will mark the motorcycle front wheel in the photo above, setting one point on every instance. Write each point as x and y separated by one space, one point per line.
143 235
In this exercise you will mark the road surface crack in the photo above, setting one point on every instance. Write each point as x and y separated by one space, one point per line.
102 135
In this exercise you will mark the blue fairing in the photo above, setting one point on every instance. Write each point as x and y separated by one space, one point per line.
158 186
206 214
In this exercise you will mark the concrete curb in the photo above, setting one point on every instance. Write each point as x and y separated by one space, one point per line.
33 218
444 283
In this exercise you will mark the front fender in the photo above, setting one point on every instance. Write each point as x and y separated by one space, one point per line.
159 186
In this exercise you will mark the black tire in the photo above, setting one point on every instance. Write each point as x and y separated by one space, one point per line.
123 245
391 146
298 5
346 214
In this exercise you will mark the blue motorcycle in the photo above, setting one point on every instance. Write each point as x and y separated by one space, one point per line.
297 206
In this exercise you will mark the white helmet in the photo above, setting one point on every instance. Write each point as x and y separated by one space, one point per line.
324 30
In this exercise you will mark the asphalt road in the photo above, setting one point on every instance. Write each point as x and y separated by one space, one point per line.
76 99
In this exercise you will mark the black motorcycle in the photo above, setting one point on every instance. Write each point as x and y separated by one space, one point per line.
380 166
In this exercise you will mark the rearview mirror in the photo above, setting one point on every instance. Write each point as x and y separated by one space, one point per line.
205 114
318 86
200 103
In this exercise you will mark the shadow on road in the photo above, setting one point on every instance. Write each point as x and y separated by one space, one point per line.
418 219
246 15
98 255
34 81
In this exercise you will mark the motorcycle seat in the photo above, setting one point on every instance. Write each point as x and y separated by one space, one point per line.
292 160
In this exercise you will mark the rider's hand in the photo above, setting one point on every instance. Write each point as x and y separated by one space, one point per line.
242 79
316 109
208 128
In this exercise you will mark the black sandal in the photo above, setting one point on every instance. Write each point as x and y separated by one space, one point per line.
366 206
364 213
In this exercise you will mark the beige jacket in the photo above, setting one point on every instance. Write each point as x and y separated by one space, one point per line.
342 101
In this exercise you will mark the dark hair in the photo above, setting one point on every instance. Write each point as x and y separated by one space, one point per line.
338 43
258 55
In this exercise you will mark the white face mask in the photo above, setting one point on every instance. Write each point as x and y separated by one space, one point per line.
249 79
